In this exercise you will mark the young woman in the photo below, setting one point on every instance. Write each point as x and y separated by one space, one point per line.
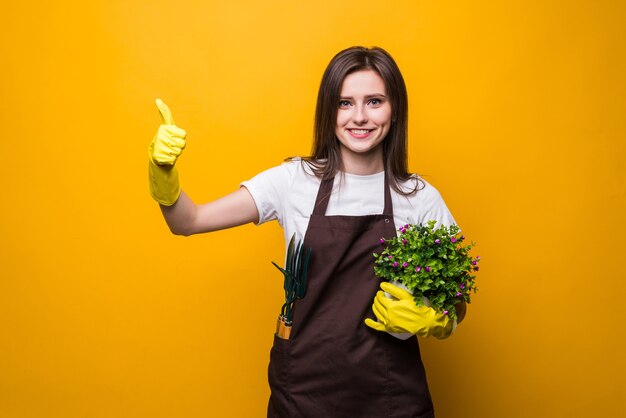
352 191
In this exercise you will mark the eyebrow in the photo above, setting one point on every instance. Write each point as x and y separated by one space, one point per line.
369 96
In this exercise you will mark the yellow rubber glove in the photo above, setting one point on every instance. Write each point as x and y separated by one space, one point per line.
402 315
166 147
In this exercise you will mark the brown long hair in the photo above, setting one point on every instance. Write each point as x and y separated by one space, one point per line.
325 158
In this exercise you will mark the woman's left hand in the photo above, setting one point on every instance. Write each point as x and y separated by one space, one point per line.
402 315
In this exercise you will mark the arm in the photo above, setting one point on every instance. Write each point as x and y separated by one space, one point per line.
186 218
182 215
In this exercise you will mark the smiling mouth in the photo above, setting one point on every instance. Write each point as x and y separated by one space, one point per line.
360 131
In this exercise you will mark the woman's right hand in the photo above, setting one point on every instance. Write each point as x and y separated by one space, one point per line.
166 147
169 141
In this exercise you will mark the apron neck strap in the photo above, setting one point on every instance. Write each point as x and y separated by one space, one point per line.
326 188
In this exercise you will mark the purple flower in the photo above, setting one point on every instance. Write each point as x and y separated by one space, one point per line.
402 230
406 225
404 241
395 264
478 257
474 262
382 240
437 241
459 294
390 257
418 269
453 239
476 268
445 312
462 286
462 237
427 269
405 265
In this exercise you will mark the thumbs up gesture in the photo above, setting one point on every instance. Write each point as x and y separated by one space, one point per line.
169 141
166 147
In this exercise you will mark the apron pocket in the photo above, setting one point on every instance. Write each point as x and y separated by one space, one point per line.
278 378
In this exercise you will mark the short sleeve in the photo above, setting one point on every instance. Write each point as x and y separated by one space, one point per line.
433 207
269 189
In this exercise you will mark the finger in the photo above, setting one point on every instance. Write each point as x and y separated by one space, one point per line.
163 153
174 130
167 146
164 158
381 315
374 325
172 141
383 299
381 302
395 291
165 112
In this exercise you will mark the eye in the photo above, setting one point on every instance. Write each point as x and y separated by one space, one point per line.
344 103
375 102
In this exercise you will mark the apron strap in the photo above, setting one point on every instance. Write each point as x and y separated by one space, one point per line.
326 188
388 210
323 196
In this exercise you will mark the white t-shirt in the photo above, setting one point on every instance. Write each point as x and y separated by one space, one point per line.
287 193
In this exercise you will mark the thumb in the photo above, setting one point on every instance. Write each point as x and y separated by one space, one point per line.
395 291
165 112
374 325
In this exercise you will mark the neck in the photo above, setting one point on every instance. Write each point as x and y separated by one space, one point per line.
363 164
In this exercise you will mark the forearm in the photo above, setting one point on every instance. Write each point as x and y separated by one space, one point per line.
181 216
186 218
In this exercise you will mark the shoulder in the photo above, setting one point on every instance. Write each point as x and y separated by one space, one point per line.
285 178
424 191
428 192
423 205
297 166
285 172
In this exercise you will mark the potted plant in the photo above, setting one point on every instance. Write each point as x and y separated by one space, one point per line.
432 263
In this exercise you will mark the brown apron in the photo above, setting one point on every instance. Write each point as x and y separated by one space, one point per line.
333 365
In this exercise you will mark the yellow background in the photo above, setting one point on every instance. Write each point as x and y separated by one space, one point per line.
516 116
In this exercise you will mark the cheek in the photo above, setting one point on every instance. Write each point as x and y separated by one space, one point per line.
383 114
341 119
389 115
386 121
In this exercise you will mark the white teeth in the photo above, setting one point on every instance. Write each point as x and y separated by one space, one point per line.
359 131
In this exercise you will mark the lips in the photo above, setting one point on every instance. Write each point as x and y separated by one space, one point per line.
359 133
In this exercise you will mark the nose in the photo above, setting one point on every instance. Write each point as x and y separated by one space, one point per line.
360 115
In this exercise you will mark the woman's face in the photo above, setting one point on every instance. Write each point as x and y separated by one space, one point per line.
363 117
